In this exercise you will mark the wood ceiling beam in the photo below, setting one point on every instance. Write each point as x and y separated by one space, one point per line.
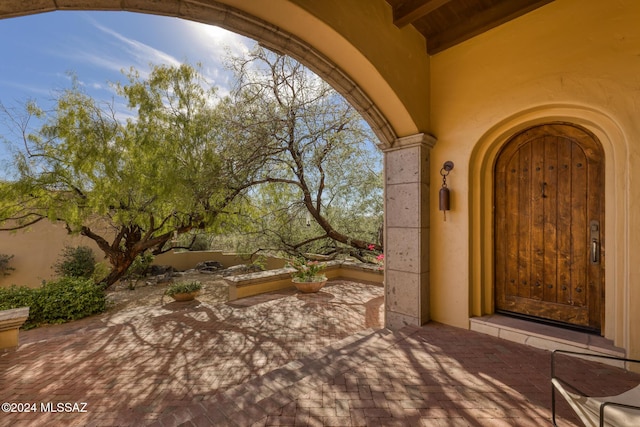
481 22
412 10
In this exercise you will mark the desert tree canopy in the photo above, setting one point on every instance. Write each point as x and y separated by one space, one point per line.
282 146
128 183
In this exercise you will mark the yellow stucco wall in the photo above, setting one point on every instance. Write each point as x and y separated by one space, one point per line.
397 53
185 260
35 250
571 60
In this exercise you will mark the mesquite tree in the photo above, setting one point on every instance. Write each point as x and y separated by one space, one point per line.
130 185
320 172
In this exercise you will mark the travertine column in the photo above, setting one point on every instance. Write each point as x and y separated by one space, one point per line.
406 240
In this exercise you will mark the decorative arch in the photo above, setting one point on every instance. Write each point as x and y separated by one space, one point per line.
481 199
383 71
402 102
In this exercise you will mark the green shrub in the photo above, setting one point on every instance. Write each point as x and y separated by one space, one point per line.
260 262
16 297
69 298
5 268
100 272
76 262
193 241
200 243
140 266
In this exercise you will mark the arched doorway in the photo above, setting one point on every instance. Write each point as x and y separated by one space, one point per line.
549 226
358 54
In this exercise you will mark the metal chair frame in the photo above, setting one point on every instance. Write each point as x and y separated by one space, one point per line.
605 404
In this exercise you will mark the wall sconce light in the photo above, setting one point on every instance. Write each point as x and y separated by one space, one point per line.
445 196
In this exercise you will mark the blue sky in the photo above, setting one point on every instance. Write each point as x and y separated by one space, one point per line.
38 51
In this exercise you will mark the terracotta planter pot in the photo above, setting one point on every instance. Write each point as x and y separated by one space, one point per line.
309 287
187 296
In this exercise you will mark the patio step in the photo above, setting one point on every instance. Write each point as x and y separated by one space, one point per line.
542 336
253 401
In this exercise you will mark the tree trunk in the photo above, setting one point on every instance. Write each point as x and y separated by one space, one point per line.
118 270
121 256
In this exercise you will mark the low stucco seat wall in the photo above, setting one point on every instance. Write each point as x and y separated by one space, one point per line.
10 323
246 285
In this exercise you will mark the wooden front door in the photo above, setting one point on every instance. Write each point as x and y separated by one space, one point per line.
549 226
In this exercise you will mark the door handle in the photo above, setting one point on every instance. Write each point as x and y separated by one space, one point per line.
595 242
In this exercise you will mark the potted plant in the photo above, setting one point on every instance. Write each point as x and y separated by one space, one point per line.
307 276
184 291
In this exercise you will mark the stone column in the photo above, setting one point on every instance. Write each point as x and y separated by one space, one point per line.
406 232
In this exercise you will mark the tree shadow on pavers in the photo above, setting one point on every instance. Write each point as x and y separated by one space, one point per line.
176 306
457 376
256 340
319 297
134 371
371 309
261 298
151 360
64 369
263 337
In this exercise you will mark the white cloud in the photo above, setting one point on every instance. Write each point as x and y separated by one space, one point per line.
215 41
101 52
213 45
26 87
206 44
141 52
116 53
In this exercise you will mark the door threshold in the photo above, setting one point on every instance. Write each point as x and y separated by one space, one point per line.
546 337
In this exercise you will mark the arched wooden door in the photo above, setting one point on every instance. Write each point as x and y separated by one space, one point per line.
549 226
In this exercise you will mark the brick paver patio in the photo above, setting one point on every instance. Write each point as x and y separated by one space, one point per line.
280 359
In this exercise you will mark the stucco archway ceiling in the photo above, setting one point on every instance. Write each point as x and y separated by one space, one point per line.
445 23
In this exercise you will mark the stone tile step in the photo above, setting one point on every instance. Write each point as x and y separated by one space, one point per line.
252 402
545 337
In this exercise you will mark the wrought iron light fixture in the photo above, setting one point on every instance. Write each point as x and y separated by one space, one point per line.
445 196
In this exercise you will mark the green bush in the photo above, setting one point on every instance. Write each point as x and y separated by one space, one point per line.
101 271
200 243
69 298
140 266
193 241
16 297
76 262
